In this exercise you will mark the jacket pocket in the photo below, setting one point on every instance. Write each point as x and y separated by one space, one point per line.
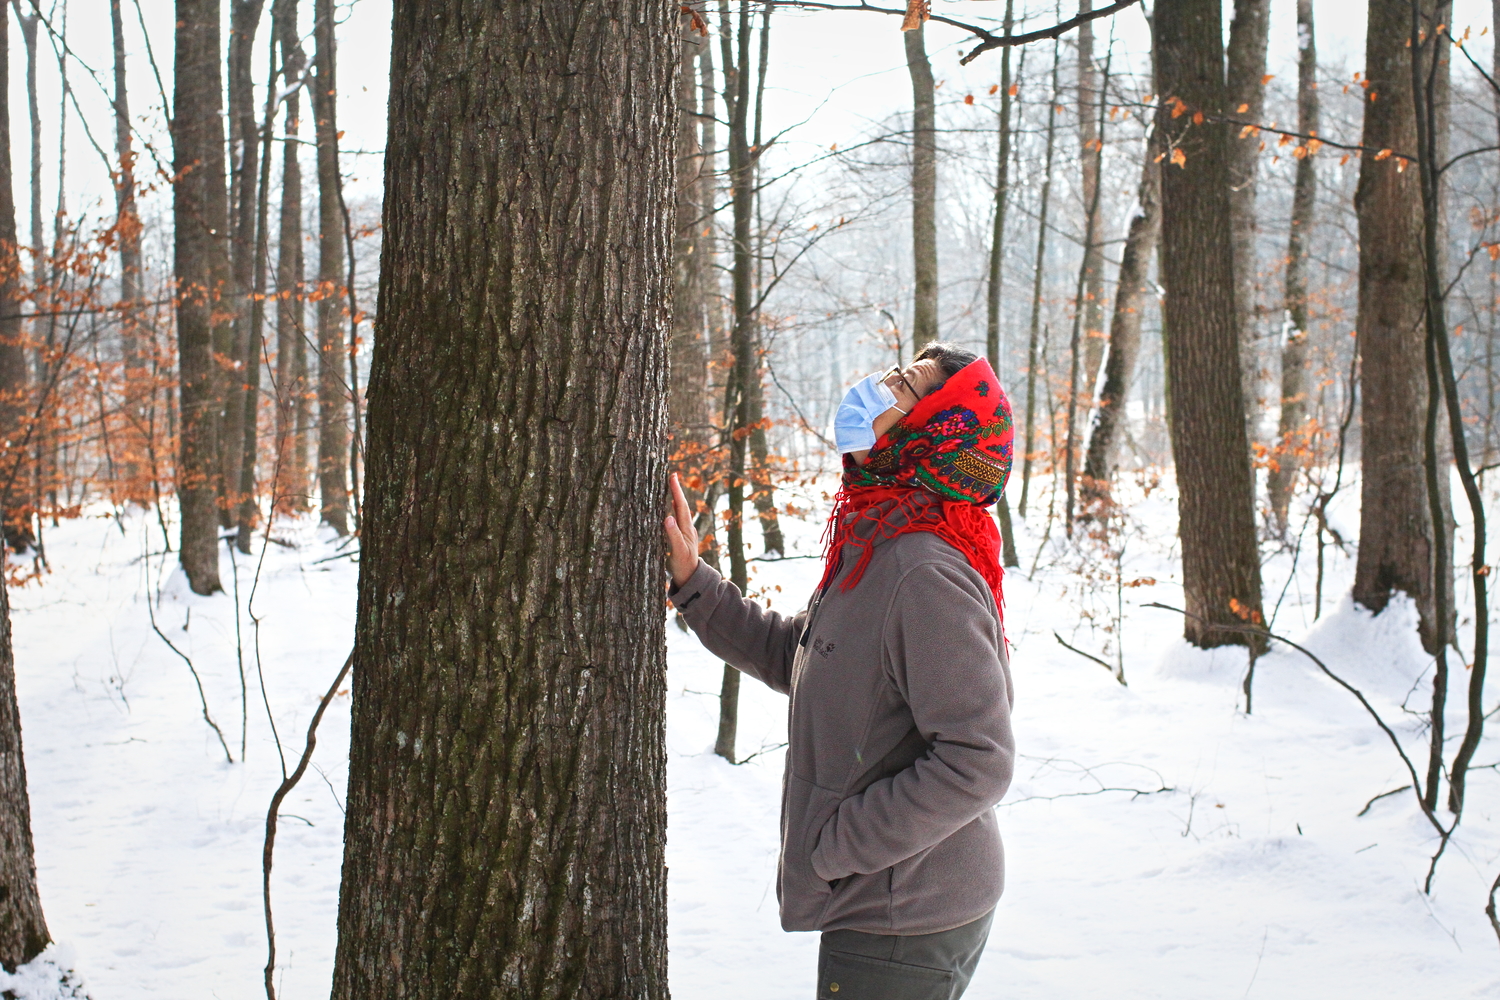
843 976
802 893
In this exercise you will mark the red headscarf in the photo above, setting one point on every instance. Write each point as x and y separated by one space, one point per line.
936 470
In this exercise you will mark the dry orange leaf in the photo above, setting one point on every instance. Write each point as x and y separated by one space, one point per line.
994 88
968 98
1179 158
1267 79
1242 109
1383 154
1197 118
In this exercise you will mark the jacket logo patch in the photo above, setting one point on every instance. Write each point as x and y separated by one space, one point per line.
821 647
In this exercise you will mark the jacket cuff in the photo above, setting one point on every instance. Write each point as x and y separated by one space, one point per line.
694 587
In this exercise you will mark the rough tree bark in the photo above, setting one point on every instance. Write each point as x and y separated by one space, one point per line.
244 168
506 815
1089 158
201 264
1291 435
1124 333
688 400
14 394
136 354
924 326
23 930
333 393
995 286
1246 56
1033 353
1220 561
1396 530
293 412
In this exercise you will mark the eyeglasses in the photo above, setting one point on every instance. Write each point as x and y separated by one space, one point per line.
896 371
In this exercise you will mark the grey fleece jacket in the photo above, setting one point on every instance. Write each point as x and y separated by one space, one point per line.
900 739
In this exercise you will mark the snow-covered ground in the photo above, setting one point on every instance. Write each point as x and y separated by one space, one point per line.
1160 843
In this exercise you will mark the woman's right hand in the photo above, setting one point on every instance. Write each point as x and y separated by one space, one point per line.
682 537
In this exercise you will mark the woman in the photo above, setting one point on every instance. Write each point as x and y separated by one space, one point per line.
900 741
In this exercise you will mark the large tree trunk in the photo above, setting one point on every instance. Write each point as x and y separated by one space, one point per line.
1246 72
1124 334
244 149
14 398
1396 528
201 263
994 286
293 409
1033 354
506 814
1220 562
23 931
333 392
1090 157
924 327
136 355
1291 433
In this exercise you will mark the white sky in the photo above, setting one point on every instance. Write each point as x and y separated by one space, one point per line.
832 72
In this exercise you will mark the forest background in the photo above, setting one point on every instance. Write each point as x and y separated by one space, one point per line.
195 324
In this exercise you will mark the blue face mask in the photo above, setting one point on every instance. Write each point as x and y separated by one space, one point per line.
853 428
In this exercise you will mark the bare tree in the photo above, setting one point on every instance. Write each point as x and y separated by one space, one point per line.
293 409
14 392
994 285
138 392
333 391
1291 434
924 325
506 816
1090 157
1220 562
201 262
1033 352
1396 537
1246 58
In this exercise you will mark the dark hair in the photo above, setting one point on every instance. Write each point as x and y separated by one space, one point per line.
950 359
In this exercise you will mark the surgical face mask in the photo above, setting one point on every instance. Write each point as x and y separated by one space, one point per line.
853 425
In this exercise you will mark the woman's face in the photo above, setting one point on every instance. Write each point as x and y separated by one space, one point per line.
909 385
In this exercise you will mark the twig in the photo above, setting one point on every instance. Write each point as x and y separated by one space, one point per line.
1382 795
202 698
1444 833
1135 793
287 785
746 760
1489 908
1090 656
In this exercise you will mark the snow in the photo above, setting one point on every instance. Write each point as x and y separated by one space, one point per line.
1160 842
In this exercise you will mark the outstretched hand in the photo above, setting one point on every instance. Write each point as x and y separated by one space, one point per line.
682 537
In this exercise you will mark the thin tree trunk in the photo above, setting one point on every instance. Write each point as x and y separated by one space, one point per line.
688 400
293 409
249 510
763 494
997 258
1246 70
1094 150
14 393
742 184
244 168
1291 435
200 215
128 232
924 327
1032 357
506 816
1124 333
1090 158
333 394
1220 561
1396 537
34 467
